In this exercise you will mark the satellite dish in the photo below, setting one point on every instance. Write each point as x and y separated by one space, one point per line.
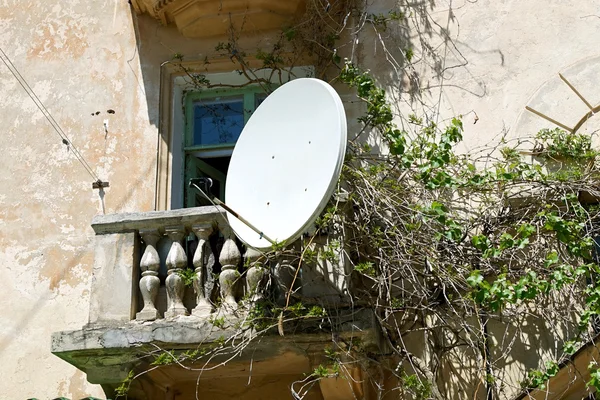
286 162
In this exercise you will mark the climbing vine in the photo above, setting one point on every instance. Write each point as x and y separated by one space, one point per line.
447 238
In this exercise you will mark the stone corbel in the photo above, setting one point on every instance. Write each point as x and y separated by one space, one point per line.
206 18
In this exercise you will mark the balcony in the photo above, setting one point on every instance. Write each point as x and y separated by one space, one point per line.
175 281
206 18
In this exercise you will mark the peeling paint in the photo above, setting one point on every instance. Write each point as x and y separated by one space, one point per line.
76 63
60 269
56 38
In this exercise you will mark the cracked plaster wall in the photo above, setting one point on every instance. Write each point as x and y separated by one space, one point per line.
79 57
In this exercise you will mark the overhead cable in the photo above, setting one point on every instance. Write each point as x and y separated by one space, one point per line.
64 138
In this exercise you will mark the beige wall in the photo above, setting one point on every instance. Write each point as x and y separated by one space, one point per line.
498 54
83 56
79 57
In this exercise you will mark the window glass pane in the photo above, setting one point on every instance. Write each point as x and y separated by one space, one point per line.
218 122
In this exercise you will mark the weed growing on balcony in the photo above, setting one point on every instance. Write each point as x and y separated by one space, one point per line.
123 388
218 322
188 275
165 358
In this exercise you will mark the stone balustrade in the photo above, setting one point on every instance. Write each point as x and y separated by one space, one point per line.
143 261
162 279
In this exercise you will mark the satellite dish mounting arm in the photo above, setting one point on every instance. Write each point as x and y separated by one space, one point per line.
203 185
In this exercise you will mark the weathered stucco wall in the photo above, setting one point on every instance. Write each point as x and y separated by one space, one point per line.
83 57
492 60
79 57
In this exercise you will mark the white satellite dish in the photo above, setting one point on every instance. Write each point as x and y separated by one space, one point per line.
286 163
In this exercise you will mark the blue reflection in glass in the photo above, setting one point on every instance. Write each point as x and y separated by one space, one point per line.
218 122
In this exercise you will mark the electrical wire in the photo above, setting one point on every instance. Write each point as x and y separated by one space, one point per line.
65 139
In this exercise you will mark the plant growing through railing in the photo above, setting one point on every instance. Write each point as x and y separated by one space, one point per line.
188 275
123 388
219 322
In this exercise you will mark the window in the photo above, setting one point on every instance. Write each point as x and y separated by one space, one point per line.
214 122
186 150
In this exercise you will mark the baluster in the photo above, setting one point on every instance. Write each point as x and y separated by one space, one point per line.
229 258
255 275
149 282
204 260
283 274
176 261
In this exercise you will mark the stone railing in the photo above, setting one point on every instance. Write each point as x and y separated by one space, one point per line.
163 279
142 260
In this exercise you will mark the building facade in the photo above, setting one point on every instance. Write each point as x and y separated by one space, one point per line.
119 82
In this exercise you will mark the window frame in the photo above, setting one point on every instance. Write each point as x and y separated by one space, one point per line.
169 119
249 95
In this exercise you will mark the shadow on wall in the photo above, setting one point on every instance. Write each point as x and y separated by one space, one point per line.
520 345
395 40
391 40
159 46
413 49
162 51
415 52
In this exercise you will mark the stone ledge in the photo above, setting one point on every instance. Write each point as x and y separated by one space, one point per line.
187 330
128 222
107 351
